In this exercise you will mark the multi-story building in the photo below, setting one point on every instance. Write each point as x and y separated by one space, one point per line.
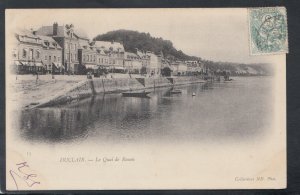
115 52
68 39
132 63
51 55
179 68
27 55
102 59
150 61
87 56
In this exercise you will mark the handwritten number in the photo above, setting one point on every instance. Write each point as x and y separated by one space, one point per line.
27 178
11 173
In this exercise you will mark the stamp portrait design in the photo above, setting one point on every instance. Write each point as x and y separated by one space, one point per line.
268 29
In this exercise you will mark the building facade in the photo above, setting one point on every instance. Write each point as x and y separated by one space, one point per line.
132 63
27 55
62 49
150 61
102 59
114 52
87 56
179 68
51 55
68 39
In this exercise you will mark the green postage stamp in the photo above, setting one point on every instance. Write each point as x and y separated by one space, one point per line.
268 30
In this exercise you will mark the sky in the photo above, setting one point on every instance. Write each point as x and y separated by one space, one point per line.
212 34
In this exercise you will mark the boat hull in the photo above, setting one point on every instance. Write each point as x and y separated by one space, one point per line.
135 94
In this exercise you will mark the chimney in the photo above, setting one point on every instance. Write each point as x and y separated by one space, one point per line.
55 29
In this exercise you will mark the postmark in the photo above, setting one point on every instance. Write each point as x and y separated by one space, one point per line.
268 30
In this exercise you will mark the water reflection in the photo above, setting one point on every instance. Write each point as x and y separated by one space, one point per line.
218 111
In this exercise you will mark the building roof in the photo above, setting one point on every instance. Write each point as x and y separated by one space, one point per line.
48 31
61 32
27 33
101 52
130 54
84 44
50 40
109 46
27 36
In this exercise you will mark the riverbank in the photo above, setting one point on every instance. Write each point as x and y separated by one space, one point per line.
48 91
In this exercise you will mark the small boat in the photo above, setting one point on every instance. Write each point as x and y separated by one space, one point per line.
175 91
136 94
194 94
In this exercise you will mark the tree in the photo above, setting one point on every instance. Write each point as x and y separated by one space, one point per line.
166 71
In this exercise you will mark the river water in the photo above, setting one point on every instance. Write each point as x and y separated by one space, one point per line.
219 112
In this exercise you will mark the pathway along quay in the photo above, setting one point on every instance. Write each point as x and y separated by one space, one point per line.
64 89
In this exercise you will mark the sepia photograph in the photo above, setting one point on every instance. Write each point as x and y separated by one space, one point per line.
104 99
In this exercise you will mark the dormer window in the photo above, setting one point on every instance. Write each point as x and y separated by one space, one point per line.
46 43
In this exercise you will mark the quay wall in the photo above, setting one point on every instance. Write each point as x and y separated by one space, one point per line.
95 86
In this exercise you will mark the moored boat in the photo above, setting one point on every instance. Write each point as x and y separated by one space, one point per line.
136 94
175 91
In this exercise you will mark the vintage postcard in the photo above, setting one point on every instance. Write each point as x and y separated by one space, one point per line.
100 99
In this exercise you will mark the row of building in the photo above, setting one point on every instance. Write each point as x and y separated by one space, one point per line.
61 49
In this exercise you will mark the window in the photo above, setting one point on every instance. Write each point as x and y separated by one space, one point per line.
45 57
58 59
76 57
71 46
94 58
49 58
54 58
75 46
30 54
83 57
37 54
71 57
88 58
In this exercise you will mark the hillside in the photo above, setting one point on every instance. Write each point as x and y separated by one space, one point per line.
144 41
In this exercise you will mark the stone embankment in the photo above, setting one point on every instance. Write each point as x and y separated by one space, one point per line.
89 87
28 91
